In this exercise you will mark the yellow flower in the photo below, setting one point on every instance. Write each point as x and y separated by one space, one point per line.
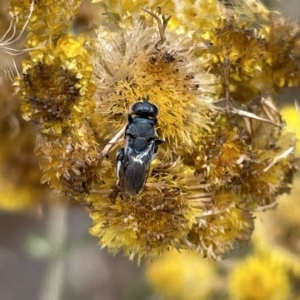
277 232
20 187
56 91
18 197
220 225
48 17
63 66
198 16
258 278
182 276
269 65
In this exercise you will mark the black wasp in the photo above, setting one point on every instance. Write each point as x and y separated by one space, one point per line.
141 145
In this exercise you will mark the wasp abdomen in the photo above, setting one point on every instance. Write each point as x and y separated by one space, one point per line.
135 176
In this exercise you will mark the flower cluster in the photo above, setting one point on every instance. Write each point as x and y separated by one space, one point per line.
55 92
214 169
257 49
227 152
48 18
187 275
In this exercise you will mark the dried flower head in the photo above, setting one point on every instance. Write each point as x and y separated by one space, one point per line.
225 155
160 216
255 48
70 87
56 92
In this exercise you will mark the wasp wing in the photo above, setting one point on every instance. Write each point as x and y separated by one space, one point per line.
136 168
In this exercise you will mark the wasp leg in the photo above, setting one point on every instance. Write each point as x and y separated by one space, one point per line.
112 142
114 194
119 158
157 143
